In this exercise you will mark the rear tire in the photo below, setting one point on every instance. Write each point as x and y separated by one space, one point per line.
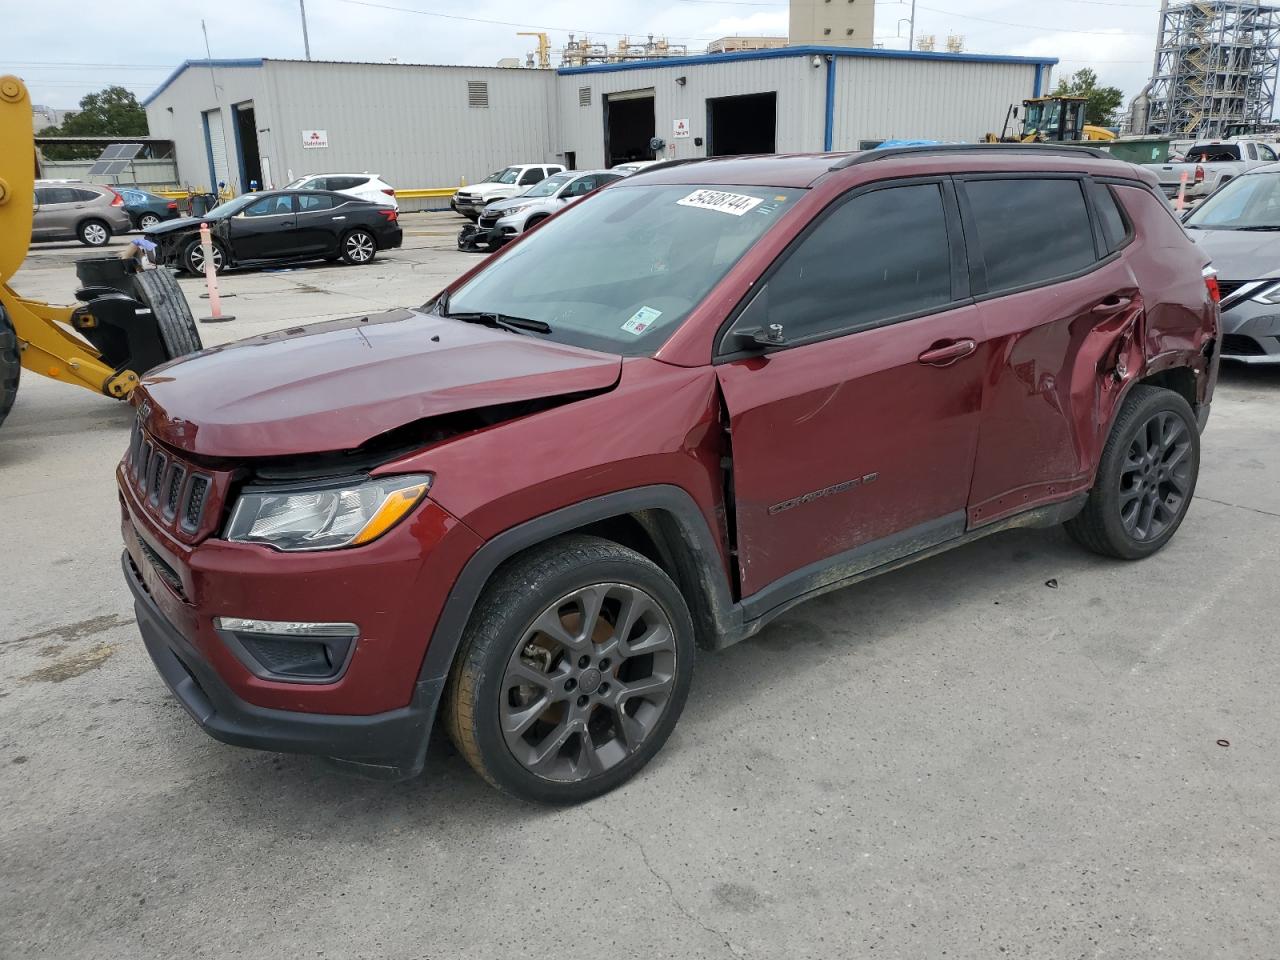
608 702
147 221
10 365
359 247
1146 477
93 233
160 291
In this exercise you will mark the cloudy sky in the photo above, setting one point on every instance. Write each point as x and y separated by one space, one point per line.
66 48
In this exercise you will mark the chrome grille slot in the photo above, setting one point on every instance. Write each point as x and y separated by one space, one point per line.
143 462
173 490
155 477
193 509
135 442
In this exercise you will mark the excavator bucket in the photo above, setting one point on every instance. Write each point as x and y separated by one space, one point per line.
128 321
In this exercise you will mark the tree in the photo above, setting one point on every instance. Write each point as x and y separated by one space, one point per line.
1103 101
113 112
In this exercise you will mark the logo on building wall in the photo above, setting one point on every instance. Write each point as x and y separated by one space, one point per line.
315 138
681 129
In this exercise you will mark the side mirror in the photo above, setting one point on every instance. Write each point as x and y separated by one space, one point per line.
752 330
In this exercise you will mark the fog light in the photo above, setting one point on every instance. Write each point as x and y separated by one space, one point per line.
291 650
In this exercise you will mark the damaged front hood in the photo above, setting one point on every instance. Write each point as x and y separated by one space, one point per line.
336 385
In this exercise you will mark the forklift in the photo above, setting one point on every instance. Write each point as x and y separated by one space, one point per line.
128 320
1052 119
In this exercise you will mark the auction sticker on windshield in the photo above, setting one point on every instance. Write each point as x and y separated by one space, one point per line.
641 320
732 203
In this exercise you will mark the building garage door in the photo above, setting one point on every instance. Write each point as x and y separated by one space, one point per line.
215 142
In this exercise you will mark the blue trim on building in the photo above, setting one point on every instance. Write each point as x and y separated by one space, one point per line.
208 149
780 52
244 62
829 124
1039 79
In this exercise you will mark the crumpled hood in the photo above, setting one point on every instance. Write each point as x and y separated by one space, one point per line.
333 386
177 226
1240 255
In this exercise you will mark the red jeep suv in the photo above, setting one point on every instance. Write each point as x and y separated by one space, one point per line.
667 415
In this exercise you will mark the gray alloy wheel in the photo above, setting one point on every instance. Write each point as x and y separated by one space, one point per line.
359 247
94 233
147 221
588 682
193 259
1155 477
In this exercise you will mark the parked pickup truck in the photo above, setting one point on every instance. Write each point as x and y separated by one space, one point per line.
1211 163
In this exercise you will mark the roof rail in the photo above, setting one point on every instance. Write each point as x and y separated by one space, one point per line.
867 156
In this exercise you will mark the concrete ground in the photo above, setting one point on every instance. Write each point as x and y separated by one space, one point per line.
1016 749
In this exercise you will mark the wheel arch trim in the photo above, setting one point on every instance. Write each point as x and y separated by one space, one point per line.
713 608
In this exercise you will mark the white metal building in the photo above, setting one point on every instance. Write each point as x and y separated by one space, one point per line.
428 128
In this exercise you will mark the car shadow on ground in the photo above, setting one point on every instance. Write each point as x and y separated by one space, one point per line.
1253 376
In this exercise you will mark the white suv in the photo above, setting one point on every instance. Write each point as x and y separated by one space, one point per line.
363 186
504 220
504 183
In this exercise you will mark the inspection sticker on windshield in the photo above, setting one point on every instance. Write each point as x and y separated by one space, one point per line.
732 203
641 320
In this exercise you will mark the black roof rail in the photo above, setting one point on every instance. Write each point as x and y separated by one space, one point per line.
868 156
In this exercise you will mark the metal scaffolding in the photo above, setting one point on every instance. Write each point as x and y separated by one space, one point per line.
1215 68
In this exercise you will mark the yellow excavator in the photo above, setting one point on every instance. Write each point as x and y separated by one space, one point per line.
1052 119
128 321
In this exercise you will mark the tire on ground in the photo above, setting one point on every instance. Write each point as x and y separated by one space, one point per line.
160 291
82 230
10 365
346 247
518 592
1098 527
187 263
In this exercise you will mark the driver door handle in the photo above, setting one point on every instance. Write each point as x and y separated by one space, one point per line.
1112 305
948 352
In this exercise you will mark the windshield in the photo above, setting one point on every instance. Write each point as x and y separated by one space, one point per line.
505 175
1249 202
231 206
549 186
621 270
298 184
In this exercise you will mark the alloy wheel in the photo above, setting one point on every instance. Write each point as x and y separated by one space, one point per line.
95 234
360 247
1155 478
148 220
197 258
588 682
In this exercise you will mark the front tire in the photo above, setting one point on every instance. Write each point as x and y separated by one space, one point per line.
1146 477
359 247
94 233
572 672
10 365
193 258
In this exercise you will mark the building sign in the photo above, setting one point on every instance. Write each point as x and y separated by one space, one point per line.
681 129
315 138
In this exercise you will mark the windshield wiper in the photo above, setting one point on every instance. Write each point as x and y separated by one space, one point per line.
505 321
1260 228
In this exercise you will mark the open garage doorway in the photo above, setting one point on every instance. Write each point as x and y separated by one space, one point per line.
629 125
247 146
742 124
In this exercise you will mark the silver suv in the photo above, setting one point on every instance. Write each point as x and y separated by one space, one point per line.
70 210
504 220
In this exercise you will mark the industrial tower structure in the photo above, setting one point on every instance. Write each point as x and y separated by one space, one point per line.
1215 69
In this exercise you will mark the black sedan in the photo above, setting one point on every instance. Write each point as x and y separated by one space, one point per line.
281 226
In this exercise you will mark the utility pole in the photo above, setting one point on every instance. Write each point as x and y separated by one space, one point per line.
306 42
911 37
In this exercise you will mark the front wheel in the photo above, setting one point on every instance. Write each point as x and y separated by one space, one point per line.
1146 477
193 258
572 672
94 233
10 365
359 247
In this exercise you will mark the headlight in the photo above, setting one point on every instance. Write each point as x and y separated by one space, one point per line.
325 516
512 211
1268 294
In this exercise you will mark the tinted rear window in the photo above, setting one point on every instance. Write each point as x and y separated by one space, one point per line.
1030 231
1114 228
1214 153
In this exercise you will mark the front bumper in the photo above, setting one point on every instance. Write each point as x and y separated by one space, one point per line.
390 745
1251 332
476 238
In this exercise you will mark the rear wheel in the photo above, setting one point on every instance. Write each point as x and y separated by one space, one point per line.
160 291
359 247
94 233
1146 477
193 258
147 221
572 672
10 365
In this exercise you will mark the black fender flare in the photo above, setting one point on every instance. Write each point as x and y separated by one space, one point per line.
697 555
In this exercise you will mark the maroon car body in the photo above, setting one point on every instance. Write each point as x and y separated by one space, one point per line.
756 479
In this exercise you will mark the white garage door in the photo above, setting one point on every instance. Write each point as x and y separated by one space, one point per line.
216 141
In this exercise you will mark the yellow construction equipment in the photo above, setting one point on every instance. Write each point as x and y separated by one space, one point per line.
1052 119
130 321
544 48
